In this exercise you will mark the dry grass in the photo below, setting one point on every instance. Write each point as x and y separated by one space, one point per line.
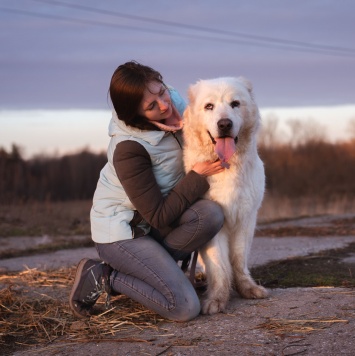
72 217
45 218
287 326
277 208
34 311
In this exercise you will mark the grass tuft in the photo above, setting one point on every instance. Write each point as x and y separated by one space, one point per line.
323 269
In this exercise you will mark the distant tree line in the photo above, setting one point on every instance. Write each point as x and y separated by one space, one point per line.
69 177
314 169
308 168
303 162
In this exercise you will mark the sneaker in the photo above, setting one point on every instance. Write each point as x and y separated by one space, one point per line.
91 280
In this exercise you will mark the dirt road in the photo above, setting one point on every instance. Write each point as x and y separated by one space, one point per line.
294 321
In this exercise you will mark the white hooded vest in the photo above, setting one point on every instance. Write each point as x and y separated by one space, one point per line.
112 211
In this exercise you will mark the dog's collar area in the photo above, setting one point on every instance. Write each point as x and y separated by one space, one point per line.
214 141
211 137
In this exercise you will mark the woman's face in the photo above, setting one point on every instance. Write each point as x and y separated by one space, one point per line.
156 102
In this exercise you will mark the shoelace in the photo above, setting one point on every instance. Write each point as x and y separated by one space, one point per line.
100 288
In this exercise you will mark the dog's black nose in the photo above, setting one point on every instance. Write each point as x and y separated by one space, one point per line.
225 124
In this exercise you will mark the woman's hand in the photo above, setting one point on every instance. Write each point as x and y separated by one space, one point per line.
208 168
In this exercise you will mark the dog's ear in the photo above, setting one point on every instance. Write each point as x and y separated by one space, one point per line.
187 114
247 83
191 93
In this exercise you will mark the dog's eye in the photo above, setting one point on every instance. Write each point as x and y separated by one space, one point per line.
209 106
235 104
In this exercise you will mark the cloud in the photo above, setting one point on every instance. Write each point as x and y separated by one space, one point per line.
50 62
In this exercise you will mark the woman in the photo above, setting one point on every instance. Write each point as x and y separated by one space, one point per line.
147 214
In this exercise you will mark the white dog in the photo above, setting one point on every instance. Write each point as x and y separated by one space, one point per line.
222 121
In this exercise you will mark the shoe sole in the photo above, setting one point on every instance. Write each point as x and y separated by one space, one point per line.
79 270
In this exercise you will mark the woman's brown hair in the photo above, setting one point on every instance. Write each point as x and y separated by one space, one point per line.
127 87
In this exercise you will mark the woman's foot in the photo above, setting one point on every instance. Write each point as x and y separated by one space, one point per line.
92 278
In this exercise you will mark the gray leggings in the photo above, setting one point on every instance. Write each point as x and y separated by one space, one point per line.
145 268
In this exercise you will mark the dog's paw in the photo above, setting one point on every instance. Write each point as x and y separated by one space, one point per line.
213 306
252 291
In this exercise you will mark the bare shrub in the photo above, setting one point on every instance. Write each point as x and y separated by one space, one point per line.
298 164
269 135
43 178
303 133
351 128
319 169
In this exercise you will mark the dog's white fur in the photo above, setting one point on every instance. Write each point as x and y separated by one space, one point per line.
239 189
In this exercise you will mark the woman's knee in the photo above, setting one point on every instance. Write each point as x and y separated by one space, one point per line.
216 213
212 215
186 309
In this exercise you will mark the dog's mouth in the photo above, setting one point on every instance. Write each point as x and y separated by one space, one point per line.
222 137
225 146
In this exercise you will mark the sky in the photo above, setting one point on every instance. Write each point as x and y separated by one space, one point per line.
57 58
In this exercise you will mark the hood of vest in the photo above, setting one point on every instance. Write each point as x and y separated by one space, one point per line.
118 127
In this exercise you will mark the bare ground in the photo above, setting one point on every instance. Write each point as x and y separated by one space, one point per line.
292 321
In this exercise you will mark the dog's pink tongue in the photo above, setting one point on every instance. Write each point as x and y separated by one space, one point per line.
225 147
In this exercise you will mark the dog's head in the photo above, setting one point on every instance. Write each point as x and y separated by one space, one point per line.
223 111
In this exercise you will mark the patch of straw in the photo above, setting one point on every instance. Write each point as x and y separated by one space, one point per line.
34 310
288 326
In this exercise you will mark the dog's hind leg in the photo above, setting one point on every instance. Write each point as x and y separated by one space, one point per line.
239 245
219 274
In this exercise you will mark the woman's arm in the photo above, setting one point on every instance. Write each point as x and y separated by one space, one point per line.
134 169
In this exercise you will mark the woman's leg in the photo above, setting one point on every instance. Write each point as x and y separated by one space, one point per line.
195 227
145 272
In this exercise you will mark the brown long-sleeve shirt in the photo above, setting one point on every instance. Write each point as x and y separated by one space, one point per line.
134 169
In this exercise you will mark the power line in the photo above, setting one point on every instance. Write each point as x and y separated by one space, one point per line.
201 28
106 24
169 33
96 23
